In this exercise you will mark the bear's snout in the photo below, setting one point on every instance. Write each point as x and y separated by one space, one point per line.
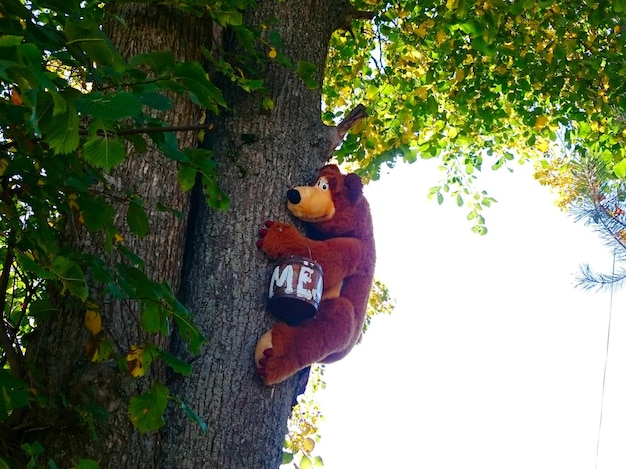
293 196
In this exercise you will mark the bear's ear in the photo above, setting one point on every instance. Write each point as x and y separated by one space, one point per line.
354 187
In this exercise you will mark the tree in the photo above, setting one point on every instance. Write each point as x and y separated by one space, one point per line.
87 117
587 187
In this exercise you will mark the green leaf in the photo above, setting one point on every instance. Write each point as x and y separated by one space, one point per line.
307 71
156 101
33 266
13 393
287 457
10 41
186 328
97 213
479 229
214 195
186 176
104 152
305 462
61 131
146 410
137 218
470 28
152 317
86 464
109 106
41 309
175 363
192 77
71 275
194 417
620 169
159 62
225 18
88 36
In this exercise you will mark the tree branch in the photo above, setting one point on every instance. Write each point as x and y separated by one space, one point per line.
339 132
148 130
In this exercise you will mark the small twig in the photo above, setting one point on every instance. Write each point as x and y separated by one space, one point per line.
148 130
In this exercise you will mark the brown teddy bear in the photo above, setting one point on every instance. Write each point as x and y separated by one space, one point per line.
341 239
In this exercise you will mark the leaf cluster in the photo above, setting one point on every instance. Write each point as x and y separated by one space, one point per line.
70 108
477 84
590 191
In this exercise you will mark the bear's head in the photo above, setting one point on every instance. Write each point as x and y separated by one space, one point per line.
333 206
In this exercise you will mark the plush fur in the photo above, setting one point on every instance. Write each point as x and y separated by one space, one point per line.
341 239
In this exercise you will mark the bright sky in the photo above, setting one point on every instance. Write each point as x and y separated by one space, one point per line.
492 359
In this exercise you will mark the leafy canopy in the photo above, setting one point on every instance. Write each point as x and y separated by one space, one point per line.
479 83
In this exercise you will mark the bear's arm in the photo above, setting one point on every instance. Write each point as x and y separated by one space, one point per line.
339 257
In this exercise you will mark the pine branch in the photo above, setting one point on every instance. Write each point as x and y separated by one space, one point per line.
590 280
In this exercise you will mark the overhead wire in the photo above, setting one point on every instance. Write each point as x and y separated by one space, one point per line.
606 359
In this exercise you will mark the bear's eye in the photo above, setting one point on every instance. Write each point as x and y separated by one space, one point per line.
322 184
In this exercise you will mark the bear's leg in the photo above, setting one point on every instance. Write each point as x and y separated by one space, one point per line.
284 350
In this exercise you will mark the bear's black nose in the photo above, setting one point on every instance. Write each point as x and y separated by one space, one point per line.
293 196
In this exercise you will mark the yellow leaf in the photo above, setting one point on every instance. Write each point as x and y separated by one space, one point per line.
134 361
118 238
541 122
4 164
459 75
272 53
92 349
543 146
441 36
72 201
422 93
308 445
93 319
358 127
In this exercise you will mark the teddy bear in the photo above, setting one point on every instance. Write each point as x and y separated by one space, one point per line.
340 238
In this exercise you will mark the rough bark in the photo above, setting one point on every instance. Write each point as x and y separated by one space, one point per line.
261 155
60 347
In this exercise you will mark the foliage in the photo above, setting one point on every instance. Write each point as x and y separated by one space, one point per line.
474 83
70 106
590 185
478 83
380 302
588 188
303 426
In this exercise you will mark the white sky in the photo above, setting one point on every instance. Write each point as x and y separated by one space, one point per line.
492 359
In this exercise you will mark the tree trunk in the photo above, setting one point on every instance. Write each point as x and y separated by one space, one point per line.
60 352
261 154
